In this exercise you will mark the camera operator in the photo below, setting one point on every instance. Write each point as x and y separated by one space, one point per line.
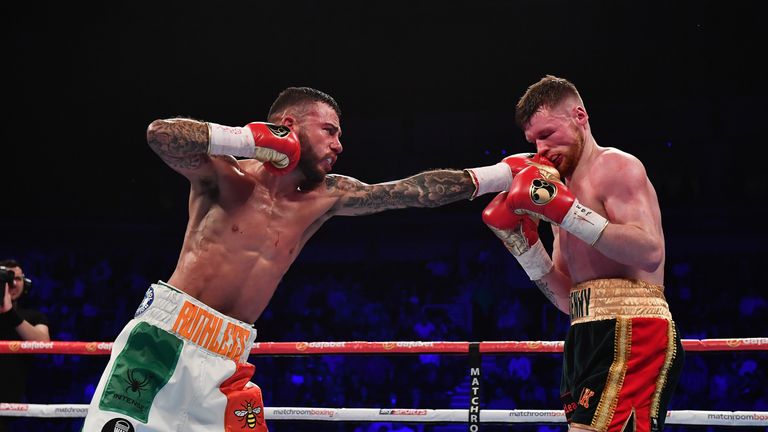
16 323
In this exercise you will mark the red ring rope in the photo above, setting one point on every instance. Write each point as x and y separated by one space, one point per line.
360 347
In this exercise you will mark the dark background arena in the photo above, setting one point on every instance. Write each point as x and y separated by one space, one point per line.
94 215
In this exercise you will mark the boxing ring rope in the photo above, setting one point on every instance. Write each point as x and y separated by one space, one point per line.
684 417
362 347
473 349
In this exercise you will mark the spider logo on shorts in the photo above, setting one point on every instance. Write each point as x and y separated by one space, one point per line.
136 383
542 191
249 415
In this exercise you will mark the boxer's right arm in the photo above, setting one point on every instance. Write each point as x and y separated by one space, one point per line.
556 285
182 144
185 144
520 236
275 145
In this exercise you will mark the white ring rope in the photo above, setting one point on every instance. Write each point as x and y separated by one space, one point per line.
682 417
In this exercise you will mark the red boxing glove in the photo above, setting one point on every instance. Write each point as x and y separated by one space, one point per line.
540 193
517 162
277 146
498 177
520 235
517 232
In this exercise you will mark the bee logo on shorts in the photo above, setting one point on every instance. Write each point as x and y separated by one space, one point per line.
250 415
542 191
118 425
278 130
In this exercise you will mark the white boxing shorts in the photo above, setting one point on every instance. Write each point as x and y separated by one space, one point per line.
178 365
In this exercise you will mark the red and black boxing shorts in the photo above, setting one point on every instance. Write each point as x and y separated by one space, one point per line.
622 358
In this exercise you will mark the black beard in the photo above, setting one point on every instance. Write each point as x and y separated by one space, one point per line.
313 177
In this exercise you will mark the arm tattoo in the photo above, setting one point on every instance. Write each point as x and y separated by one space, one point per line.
428 189
181 143
544 288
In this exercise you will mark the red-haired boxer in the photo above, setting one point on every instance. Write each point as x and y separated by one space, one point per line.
623 354
181 363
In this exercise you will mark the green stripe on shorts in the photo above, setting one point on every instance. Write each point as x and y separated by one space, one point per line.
143 367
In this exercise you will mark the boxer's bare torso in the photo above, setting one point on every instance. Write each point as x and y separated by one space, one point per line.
606 180
614 184
246 225
238 247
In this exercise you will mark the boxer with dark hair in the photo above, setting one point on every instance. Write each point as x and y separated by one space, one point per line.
181 363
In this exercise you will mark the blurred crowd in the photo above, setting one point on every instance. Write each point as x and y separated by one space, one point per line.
470 293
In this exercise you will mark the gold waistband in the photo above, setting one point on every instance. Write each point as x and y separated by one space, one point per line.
601 299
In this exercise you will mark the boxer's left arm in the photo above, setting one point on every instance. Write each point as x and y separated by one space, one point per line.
634 235
498 177
428 189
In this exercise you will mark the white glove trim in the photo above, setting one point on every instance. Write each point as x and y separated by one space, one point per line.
492 178
227 140
584 223
535 261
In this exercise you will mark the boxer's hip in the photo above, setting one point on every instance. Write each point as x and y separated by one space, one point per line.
601 299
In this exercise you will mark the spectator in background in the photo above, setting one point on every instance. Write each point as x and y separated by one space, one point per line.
17 324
